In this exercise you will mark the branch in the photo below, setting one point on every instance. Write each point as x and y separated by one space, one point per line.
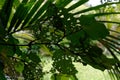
9 44
71 51
109 22
23 28
68 35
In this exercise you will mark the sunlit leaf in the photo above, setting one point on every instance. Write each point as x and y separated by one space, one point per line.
19 67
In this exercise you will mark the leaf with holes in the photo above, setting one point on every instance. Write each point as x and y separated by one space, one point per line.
63 63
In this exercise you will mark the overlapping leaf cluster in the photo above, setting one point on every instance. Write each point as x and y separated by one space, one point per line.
65 35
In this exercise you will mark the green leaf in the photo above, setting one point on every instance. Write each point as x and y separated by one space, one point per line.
61 77
63 63
110 61
23 14
34 57
19 16
97 59
12 40
6 11
94 29
1 3
16 3
2 31
52 10
95 51
62 3
2 76
76 37
19 66
40 12
95 8
13 49
32 12
77 4
7 50
45 49
1 65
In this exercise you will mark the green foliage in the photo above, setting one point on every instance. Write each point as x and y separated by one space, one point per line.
19 67
94 29
99 60
32 71
2 32
57 32
32 56
63 63
62 77
2 76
